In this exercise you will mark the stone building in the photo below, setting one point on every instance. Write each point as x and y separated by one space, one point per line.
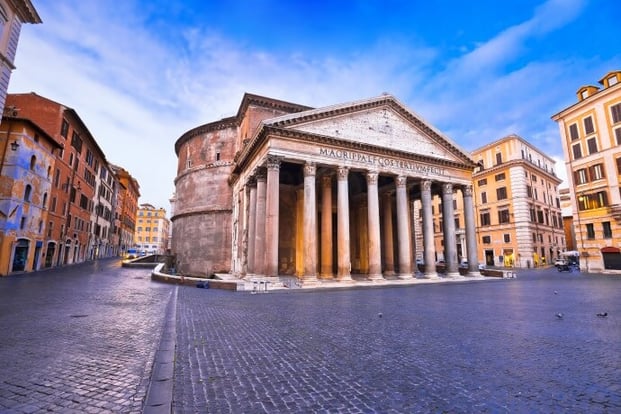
518 204
152 230
28 158
590 131
284 189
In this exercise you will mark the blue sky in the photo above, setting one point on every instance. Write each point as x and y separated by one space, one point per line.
141 73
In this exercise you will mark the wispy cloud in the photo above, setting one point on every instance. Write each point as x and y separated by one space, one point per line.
138 90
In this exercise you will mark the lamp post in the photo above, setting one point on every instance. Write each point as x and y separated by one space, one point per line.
583 252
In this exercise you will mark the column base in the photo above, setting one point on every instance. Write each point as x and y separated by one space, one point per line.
326 275
431 275
475 274
454 275
389 273
309 281
375 277
405 276
344 278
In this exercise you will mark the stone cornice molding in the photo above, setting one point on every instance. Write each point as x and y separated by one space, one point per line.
225 123
519 162
267 131
201 212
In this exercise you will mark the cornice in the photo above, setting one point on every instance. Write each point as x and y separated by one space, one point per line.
266 131
201 212
519 162
225 123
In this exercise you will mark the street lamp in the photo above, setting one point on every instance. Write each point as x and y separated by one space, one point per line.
581 199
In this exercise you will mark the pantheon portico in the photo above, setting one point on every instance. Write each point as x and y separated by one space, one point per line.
320 194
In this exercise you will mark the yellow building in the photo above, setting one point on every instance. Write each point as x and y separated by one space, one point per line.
152 230
517 205
591 135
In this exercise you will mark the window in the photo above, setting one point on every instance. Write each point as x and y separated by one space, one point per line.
615 110
588 125
590 231
507 238
486 239
592 145
529 191
44 200
33 162
612 80
580 176
485 221
577 151
53 205
573 132
607 230
499 177
483 197
482 182
64 128
618 135
501 193
27 193
498 158
503 216
76 142
533 178
596 172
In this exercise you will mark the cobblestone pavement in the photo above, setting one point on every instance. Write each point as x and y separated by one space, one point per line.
493 346
79 339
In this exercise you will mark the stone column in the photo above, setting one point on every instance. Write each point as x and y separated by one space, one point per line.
403 230
375 245
259 244
428 236
471 237
252 220
310 224
344 258
299 233
450 238
326 228
389 254
271 213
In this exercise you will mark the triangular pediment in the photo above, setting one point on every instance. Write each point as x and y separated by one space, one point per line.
382 122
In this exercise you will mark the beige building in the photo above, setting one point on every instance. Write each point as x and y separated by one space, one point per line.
152 228
591 135
326 193
517 205
13 13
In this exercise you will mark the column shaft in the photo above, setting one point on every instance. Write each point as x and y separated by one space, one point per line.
403 230
259 244
471 238
310 224
428 236
252 219
450 239
271 221
389 254
374 239
326 228
344 258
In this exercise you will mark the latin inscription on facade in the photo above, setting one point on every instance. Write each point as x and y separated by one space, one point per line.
383 162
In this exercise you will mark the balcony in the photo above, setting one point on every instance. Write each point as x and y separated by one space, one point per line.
615 211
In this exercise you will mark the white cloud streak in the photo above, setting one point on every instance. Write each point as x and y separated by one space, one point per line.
138 94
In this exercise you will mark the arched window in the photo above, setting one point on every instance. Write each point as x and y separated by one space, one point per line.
44 200
27 193
49 171
33 161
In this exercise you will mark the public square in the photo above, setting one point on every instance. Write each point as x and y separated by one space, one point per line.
83 339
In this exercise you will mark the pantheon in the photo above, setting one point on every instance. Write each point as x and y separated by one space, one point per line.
319 193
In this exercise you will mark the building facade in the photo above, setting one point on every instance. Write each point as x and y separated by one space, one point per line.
517 205
26 166
152 230
13 13
284 189
126 208
591 135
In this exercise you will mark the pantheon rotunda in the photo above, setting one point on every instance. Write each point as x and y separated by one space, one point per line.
319 193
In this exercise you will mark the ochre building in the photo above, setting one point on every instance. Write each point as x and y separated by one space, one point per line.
326 193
